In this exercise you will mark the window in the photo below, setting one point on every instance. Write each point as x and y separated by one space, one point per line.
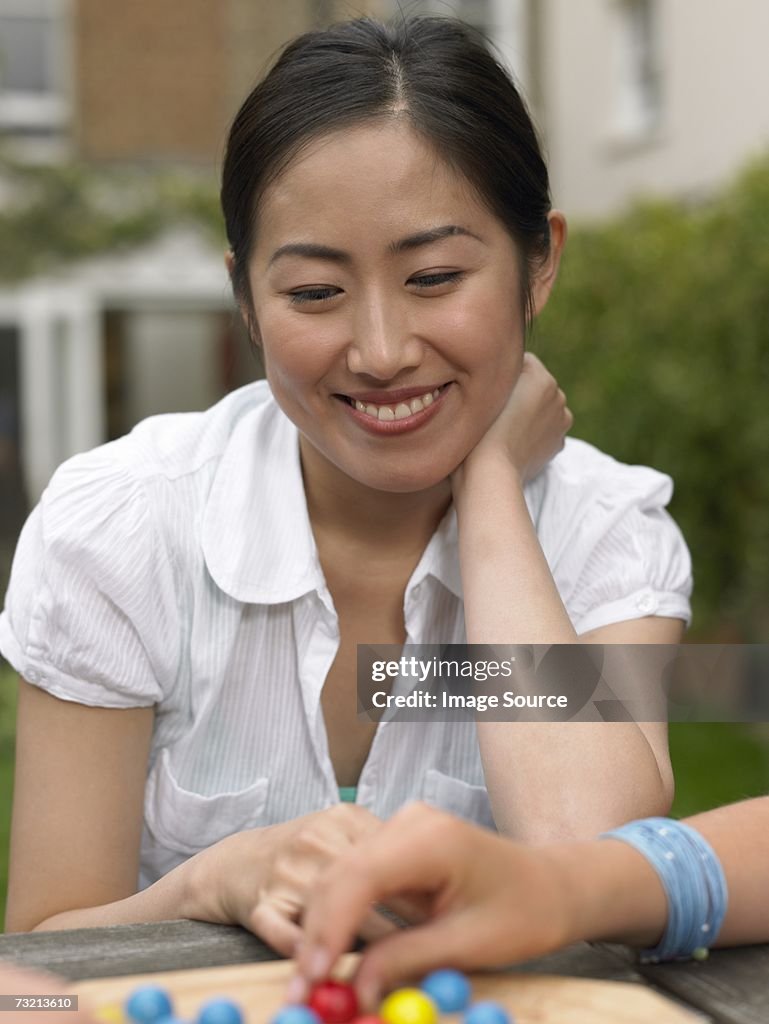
33 67
637 105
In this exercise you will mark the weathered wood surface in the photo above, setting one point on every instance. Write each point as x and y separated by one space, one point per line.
178 945
134 949
732 987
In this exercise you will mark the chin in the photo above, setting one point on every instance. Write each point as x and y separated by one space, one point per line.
400 480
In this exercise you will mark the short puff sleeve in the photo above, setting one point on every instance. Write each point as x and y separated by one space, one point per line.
619 554
90 613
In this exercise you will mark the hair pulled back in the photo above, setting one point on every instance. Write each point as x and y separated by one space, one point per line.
438 73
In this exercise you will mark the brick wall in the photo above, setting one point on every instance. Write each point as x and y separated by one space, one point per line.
150 79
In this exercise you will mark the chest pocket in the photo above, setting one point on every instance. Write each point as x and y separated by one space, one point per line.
187 822
458 797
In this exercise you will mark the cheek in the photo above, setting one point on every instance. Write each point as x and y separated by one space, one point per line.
487 330
296 350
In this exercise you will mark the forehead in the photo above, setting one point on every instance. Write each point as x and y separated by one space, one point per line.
363 184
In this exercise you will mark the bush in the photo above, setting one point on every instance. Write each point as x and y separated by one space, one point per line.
659 334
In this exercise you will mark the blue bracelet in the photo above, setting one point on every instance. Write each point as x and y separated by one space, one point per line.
693 880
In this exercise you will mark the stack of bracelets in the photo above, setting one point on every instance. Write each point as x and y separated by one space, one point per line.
693 880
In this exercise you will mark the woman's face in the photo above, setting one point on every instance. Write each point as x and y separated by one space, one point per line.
388 305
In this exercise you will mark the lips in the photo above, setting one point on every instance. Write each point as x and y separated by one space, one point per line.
398 404
415 407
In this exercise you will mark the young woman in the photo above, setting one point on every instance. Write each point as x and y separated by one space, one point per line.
186 601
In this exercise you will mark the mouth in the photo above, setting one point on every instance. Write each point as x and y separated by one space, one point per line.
387 407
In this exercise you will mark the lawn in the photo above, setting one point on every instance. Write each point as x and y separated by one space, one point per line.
714 764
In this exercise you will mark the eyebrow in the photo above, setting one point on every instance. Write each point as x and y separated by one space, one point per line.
311 250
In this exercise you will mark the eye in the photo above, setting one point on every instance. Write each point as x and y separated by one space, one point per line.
318 294
436 280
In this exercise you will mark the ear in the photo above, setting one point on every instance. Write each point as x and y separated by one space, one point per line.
546 276
229 261
245 312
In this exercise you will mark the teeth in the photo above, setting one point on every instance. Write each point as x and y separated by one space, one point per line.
388 413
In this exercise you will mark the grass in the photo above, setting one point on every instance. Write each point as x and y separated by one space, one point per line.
714 764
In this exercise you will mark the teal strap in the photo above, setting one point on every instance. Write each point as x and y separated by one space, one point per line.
348 794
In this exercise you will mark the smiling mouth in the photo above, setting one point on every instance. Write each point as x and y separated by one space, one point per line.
396 410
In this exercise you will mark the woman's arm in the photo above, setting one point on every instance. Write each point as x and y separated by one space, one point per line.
487 901
77 817
76 833
594 775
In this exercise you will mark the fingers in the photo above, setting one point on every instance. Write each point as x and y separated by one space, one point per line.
407 855
410 954
275 926
319 840
375 927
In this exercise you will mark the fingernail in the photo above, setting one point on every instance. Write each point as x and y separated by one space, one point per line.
318 963
297 989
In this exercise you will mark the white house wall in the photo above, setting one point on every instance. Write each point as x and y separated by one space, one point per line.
714 81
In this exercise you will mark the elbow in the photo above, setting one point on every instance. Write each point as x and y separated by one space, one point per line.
19 920
580 822
16 924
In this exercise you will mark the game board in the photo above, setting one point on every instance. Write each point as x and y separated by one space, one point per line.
531 998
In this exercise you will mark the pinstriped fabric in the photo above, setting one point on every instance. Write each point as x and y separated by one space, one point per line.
176 567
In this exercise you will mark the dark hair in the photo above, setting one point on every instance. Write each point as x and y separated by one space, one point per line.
437 72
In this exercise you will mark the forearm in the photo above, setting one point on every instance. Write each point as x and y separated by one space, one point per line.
739 834
172 897
511 597
550 781
509 593
207 887
618 897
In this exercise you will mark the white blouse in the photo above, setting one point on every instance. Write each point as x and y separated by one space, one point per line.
176 567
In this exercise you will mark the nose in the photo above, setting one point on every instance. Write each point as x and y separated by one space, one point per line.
383 343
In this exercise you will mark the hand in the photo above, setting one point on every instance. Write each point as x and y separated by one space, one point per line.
20 981
487 901
531 428
260 878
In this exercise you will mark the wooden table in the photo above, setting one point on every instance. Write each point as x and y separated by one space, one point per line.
731 987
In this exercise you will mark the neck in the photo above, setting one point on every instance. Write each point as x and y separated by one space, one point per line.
339 506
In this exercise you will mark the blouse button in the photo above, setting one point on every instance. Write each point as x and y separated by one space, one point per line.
647 603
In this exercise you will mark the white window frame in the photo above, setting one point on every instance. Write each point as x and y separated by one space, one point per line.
637 110
48 112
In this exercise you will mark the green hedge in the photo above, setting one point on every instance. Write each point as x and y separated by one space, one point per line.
659 333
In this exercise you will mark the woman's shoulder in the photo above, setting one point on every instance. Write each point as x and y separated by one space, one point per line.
176 444
582 477
585 495
165 448
614 550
